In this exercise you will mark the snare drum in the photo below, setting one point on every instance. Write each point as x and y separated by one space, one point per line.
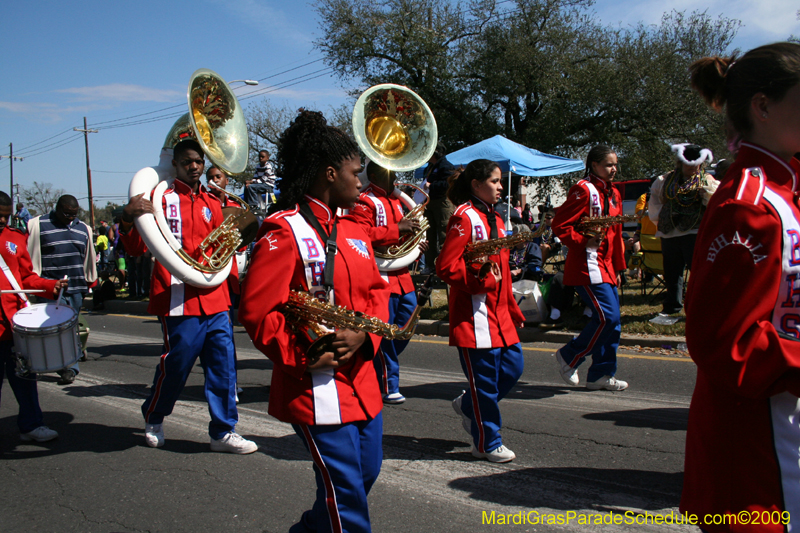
46 336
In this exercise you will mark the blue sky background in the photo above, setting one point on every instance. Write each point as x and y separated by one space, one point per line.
114 60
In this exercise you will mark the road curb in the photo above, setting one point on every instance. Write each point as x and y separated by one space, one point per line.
440 328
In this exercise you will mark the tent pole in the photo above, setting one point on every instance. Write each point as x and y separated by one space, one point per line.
508 213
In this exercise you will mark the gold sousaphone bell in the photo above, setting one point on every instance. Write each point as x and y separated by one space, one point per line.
395 128
216 120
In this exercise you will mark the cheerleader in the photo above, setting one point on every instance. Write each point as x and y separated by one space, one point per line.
592 266
483 312
742 320
332 400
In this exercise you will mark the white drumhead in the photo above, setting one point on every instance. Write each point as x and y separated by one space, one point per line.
43 315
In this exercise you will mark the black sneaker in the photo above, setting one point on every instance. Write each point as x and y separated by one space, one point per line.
549 323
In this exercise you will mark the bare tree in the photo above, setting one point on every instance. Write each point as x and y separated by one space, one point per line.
41 198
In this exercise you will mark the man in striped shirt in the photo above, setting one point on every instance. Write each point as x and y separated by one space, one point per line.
61 245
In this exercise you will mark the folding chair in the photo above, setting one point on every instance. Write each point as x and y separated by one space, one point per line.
651 261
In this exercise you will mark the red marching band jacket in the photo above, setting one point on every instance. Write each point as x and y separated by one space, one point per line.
289 254
191 217
585 266
379 213
483 313
14 249
743 332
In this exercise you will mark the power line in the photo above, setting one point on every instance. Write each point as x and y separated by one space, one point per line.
64 143
44 141
44 148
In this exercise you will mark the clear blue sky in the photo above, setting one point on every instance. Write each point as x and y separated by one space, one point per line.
113 60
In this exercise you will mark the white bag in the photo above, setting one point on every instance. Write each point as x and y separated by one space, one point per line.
530 300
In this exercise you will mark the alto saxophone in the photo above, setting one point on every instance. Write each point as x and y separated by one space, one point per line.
476 254
597 226
316 320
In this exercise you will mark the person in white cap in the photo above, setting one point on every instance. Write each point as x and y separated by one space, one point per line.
677 202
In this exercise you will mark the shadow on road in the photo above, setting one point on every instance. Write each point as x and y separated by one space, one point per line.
575 488
668 419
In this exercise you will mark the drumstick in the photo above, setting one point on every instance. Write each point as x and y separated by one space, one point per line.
60 292
22 291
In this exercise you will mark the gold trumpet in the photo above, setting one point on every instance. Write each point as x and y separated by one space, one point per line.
316 320
476 253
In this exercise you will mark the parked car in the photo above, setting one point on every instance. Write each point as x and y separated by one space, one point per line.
630 191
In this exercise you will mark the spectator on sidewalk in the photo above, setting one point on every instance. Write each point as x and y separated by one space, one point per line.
61 245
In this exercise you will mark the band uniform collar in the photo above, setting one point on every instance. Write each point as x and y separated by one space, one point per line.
481 205
778 171
320 210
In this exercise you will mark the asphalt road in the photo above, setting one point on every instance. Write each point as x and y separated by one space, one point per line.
585 453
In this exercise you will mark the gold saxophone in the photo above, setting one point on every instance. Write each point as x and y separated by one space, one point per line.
316 320
476 254
597 226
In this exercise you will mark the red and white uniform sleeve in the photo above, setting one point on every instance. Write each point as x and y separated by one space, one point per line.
483 313
743 331
14 249
278 264
379 213
191 217
589 266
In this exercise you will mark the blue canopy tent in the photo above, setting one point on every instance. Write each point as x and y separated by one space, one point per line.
512 158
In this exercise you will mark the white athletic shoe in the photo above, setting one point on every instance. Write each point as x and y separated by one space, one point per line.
154 435
40 434
466 422
607 383
233 443
568 374
501 454
394 398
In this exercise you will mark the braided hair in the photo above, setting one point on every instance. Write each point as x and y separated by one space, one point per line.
307 146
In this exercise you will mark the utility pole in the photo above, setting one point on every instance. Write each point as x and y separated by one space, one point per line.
86 133
11 159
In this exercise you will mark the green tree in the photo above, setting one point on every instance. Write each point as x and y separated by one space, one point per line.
543 73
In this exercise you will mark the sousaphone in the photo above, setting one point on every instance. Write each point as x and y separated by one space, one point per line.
395 128
217 122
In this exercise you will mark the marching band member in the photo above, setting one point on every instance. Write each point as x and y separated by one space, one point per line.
194 320
483 312
18 273
382 216
742 320
593 265
331 399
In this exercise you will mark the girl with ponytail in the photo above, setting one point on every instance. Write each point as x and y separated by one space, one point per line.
743 300
483 311
331 399
592 267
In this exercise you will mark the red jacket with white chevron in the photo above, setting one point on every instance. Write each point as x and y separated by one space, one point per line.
743 332
379 213
290 255
191 217
483 313
587 266
14 249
